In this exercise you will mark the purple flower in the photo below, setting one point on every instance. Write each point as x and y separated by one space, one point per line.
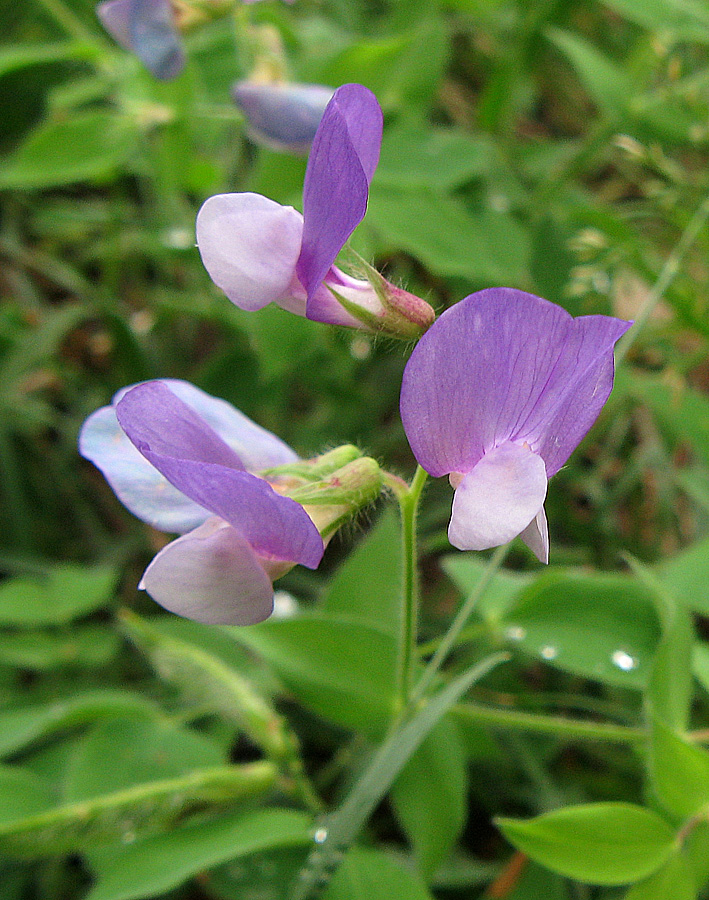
151 29
259 252
146 28
280 115
184 462
496 395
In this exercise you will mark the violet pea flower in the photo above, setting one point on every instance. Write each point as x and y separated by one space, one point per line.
152 29
496 395
183 462
148 29
282 115
259 252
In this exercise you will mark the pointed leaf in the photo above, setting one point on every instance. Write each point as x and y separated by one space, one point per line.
371 875
340 669
596 625
157 864
84 147
606 82
367 586
674 880
601 843
430 795
679 772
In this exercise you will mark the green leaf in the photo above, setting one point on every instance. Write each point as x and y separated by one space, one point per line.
674 881
154 865
686 20
20 727
371 875
341 827
599 626
340 669
85 147
686 575
679 772
670 684
601 843
484 246
124 752
266 874
22 793
438 158
123 814
538 883
696 846
211 681
430 796
466 570
23 55
670 687
700 664
391 65
66 593
87 646
367 586
607 83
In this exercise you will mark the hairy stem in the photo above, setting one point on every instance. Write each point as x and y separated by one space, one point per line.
408 622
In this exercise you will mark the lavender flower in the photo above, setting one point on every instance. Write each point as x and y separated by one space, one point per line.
184 462
259 252
280 115
151 29
496 395
146 28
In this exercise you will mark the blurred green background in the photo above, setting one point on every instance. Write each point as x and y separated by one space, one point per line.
554 146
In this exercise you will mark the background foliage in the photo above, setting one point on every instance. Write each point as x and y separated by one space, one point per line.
555 146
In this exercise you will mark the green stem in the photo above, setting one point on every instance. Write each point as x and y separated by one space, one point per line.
450 637
408 623
560 726
666 277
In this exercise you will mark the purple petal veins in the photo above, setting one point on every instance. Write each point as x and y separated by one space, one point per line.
499 391
202 467
179 460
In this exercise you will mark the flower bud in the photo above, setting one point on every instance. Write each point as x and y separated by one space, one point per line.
337 498
282 116
382 307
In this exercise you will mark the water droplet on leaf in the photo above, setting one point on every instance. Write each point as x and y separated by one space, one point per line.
624 660
516 633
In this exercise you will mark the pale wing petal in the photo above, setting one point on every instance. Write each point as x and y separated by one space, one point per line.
137 484
249 245
211 575
536 536
498 498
